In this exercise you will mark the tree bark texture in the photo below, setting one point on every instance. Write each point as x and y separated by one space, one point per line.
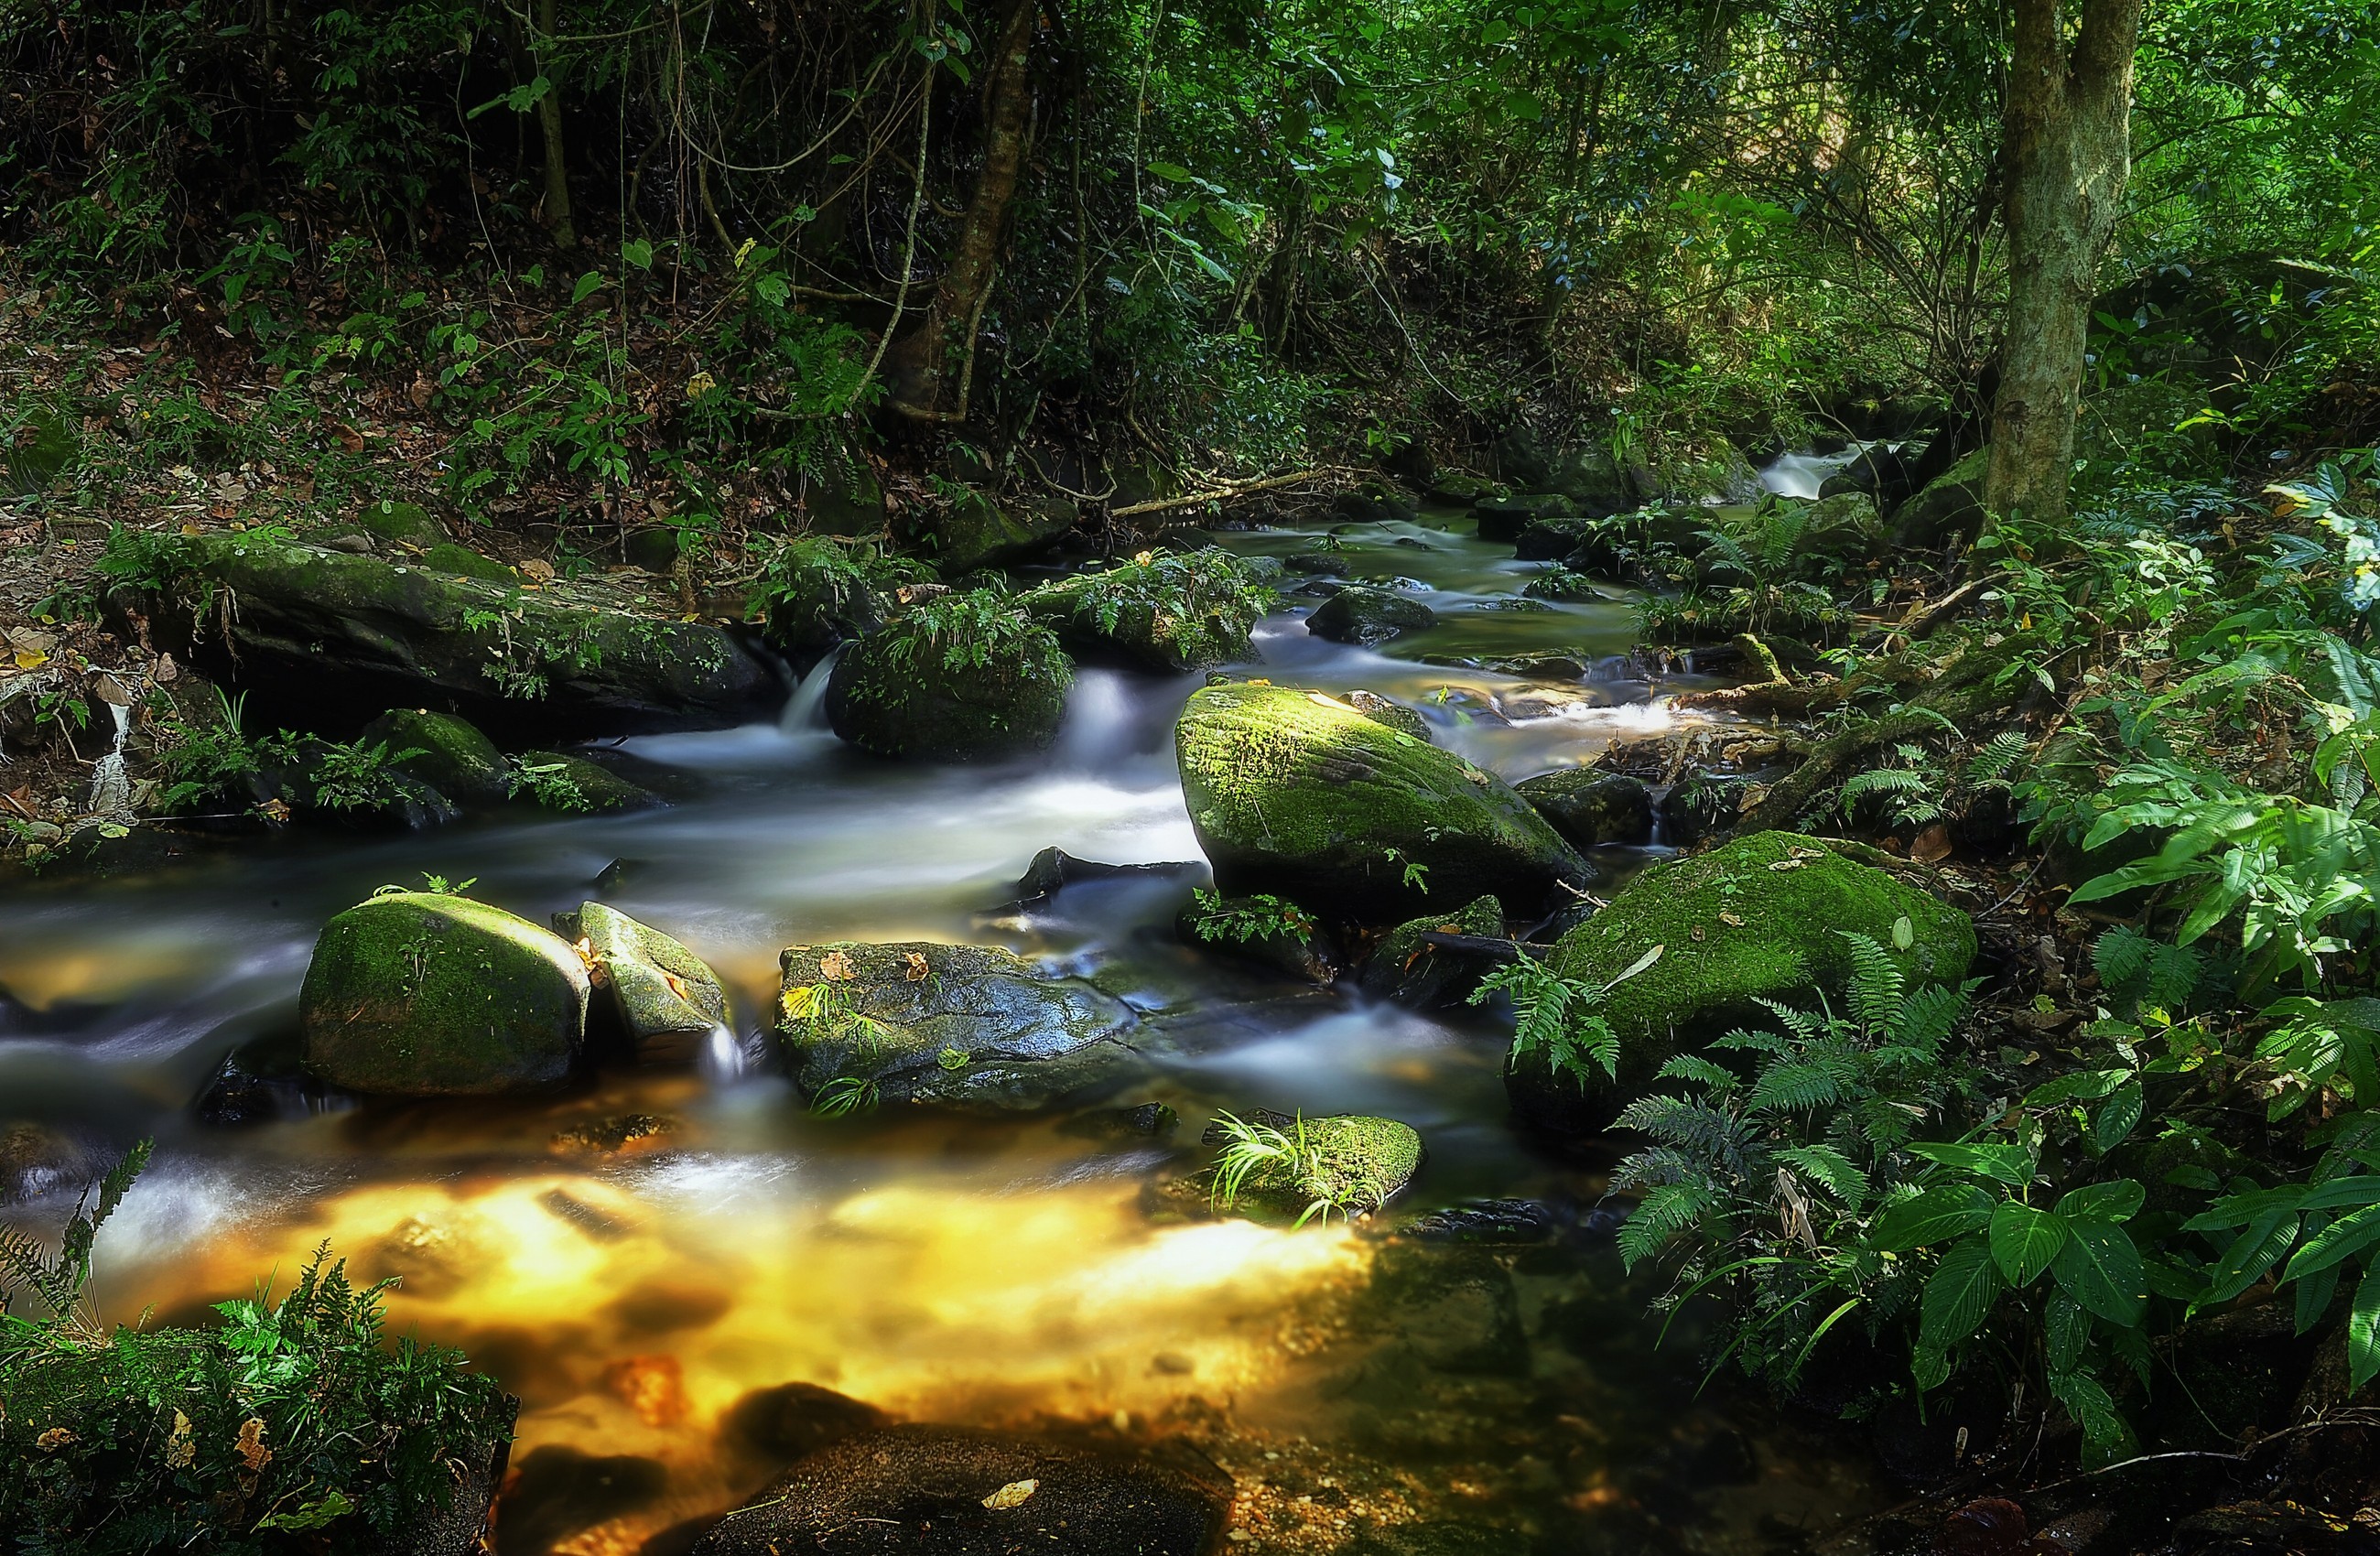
924 363
549 119
2066 150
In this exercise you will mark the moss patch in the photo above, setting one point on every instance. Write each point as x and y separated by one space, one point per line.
419 994
1354 1160
1300 795
1179 611
455 759
568 783
1406 967
668 997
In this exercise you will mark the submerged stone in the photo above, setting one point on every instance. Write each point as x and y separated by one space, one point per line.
1763 917
420 994
667 997
1591 808
1299 794
961 1026
1368 616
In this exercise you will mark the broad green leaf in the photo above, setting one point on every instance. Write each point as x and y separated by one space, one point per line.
2117 1200
1935 1216
1904 933
2341 1194
587 286
2008 1164
2117 1117
1173 173
2024 1240
2100 1267
2105 1435
2069 1330
2255 1250
1495 32
2344 1238
1959 1295
637 252
2363 1328
2313 1297
2082 1086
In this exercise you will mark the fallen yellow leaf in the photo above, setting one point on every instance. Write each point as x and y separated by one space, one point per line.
1013 1494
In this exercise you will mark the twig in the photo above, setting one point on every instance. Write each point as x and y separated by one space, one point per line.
1220 493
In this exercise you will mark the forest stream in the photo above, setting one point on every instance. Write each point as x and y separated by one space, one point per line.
649 1259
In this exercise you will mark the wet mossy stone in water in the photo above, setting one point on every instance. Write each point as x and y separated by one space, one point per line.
1355 1162
1410 970
407 524
1298 795
934 686
451 558
452 756
1172 611
1592 808
668 998
421 994
1395 715
1762 918
1368 616
955 1025
575 785
922 1491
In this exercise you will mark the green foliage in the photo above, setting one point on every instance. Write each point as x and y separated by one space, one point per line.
977 630
1195 607
1246 920
294 1415
353 775
548 784
1293 1161
1558 1020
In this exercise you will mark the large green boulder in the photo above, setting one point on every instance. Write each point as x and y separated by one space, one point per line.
339 629
422 994
968 678
1297 794
1172 611
668 1000
1763 917
953 1026
451 756
1951 504
978 530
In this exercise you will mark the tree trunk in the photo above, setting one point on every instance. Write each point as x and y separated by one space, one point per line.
549 118
2066 150
923 363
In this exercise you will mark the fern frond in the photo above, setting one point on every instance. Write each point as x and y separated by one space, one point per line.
1800 1085
1997 757
1659 1217
1694 1067
1830 1168
1877 983
1927 1018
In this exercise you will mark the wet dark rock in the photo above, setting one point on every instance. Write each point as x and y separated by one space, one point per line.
1396 715
921 1490
1369 617
1318 563
1054 870
1847 526
2266 1528
902 693
1372 505
977 530
1591 808
417 994
248 1090
1879 472
2239 1374
1299 794
619 1134
1411 970
1305 954
1459 489
791 1421
1494 1223
1146 1121
952 1026
452 756
555 1491
573 785
1925 1445
1702 803
1501 520
39 1160
665 997
1951 505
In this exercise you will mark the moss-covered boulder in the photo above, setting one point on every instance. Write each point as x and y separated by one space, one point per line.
978 530
467 564
953 1026
667 998
966 677
1846 526
1591 808
1297 794
1501 520
1396 715
1353 1162
1175 610
1406 967
325 632
452 756
403 524
1762 918
420 994
1368 616
1951 504
575 786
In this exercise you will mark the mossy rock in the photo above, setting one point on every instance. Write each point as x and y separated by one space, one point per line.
420 994
1591 808
407 524
1299 794
1408 969
47 445
1170 612
575 786
978 530
954 1025
329 631
465 563
1353 1160
455 758
901 692
1368 616
1846 526
1308 958
1762 918
1460 489
1395 715
1951 504
667 997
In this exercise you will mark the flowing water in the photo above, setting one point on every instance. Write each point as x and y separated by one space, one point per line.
995 1271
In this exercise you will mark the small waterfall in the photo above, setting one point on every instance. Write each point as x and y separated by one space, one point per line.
1099 721
111 787
806 711
721 1058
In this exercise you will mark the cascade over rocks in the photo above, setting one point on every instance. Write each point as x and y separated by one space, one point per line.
923 1490
342 633
953 1026
421 994
1299 794
1762 918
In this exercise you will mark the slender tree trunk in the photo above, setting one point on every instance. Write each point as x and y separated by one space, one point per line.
944 344
2067 152
549 118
